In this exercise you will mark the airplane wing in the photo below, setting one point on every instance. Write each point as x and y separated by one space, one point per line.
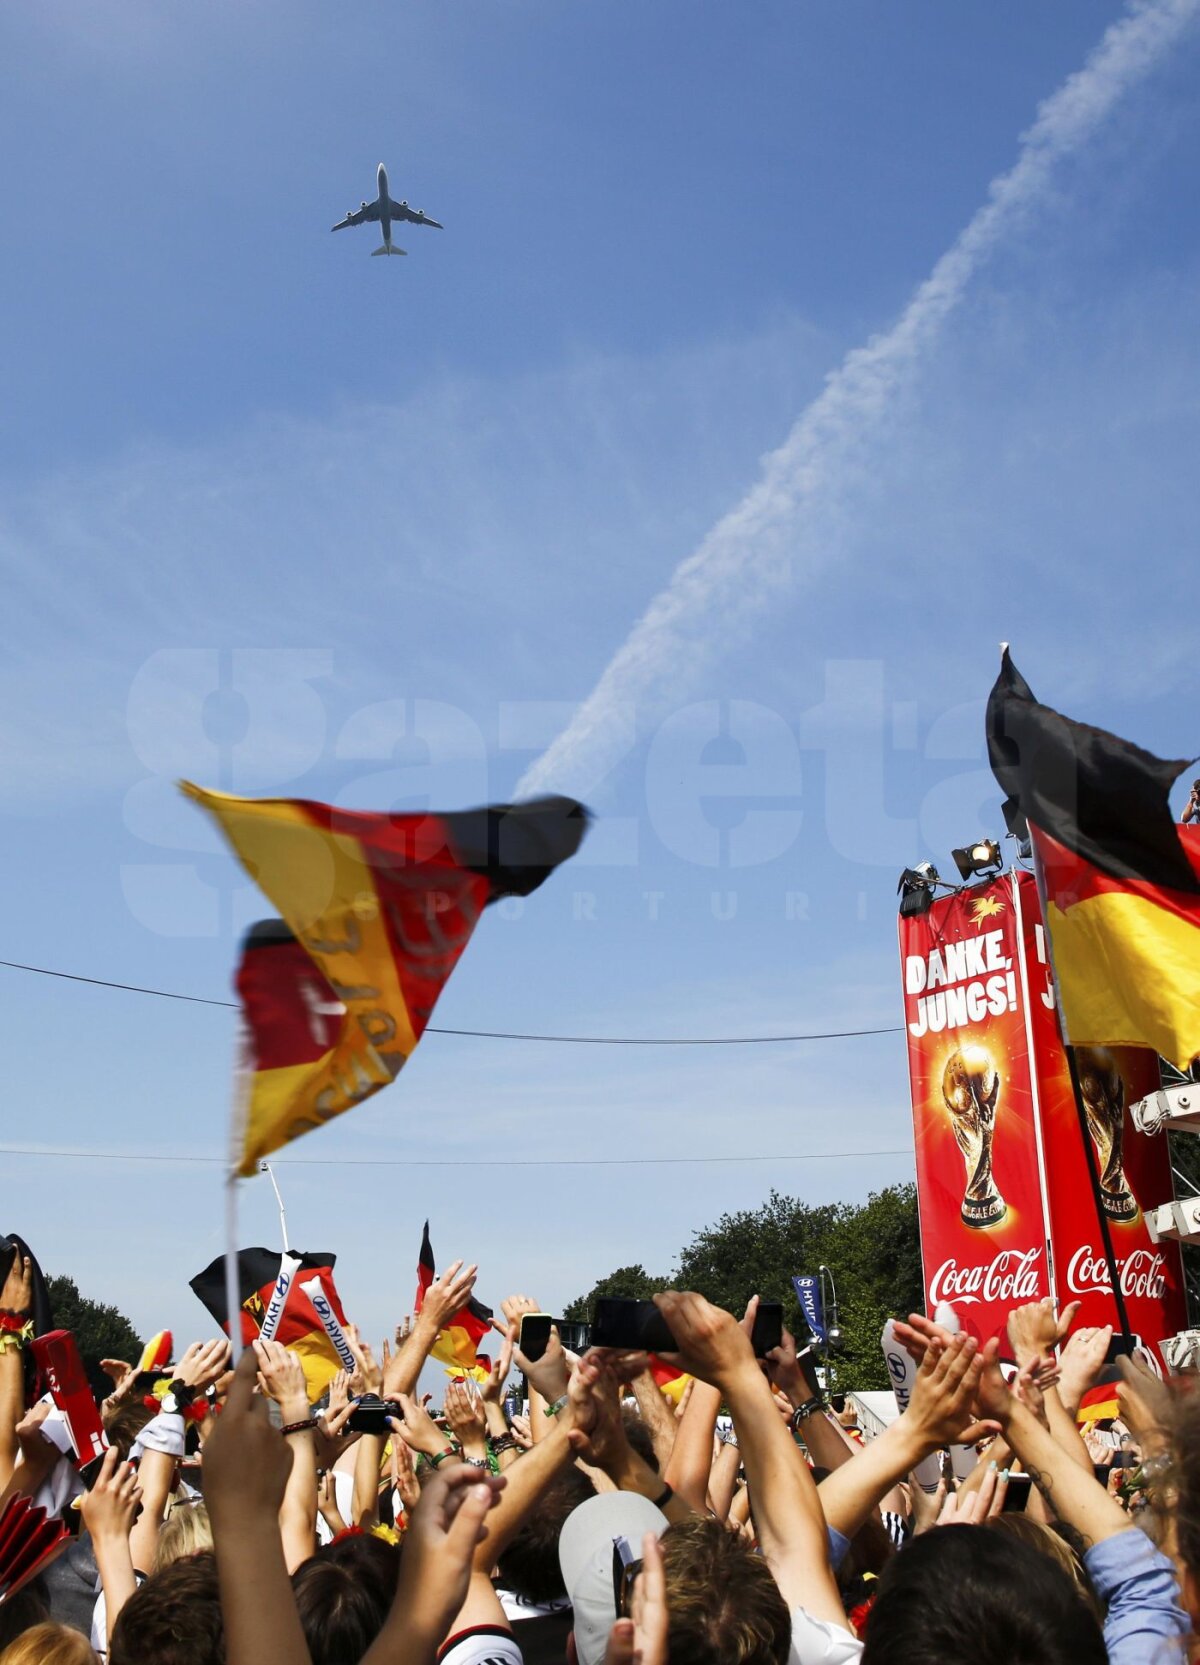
359 216
401 211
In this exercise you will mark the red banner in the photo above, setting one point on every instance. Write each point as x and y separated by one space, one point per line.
1135 1169
1006 1203
984 1231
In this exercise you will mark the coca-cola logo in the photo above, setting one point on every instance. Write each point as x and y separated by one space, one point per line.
1014 1275
1142 1273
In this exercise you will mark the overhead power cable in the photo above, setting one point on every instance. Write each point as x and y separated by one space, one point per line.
67 1153
493 1034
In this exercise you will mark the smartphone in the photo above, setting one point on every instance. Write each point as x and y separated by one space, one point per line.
806 1359
535 1334
631 1326
767 1333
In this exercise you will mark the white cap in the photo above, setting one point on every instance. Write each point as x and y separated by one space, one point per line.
585 1556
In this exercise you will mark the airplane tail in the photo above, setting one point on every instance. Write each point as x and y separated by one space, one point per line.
388 248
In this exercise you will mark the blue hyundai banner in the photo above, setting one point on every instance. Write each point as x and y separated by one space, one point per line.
808 1293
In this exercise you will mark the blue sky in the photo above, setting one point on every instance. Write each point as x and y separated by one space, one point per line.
283 518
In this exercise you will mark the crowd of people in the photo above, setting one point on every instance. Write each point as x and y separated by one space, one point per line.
595 1520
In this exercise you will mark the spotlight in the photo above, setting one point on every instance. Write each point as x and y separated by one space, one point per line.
916 889
981 857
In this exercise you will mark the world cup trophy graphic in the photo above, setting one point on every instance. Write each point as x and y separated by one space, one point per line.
971 1089
1102 1087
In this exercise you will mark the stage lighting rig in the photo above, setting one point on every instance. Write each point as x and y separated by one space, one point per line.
916 889
982 858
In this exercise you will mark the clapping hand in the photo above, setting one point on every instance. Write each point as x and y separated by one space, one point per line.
281 1377
464 1414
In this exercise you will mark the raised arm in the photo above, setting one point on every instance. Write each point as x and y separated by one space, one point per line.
16 1301
246 1468
939 1413
109 1511
281 1377
787 1511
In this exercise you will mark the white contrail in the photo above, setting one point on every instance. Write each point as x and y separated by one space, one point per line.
743 559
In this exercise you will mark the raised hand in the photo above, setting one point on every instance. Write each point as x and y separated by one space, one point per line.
710 1342
17 1293
916 1335
982 1503
369 1373
246 1461
1035 1328
493 1388
418 1430
448 1294
785 1372
443 1531
641 1639
521 1432
404 1475
466 1419
327 1503
281 1378
1146 1403
110 1508
594 1403
944 1391
1081 1361
202 1364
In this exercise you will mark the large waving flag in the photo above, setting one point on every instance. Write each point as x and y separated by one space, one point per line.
376 912
1121 886
299 1328
457 1344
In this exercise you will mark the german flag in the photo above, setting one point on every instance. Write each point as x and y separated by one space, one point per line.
376 911
299 1327
1099 1404
457 1346
1121 888
671 1383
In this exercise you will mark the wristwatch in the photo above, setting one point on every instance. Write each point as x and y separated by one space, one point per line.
177 1397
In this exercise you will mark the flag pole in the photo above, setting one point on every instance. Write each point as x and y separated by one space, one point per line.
265 1168
243 1082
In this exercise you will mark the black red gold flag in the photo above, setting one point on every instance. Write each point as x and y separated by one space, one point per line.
376 911
1121 888
299 1327
457 1344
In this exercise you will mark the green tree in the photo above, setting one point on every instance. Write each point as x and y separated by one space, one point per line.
100 1330
634 1282
872 1249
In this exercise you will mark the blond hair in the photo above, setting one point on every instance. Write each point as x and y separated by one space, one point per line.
185 1531
49 1644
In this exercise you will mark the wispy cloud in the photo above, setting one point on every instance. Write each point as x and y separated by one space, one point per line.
750 554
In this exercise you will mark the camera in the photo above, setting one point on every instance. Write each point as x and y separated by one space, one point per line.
370 1414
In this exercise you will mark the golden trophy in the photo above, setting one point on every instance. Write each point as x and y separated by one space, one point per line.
1102 1087
971 1088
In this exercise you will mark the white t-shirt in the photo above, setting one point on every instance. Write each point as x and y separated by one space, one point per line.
817 1642
484 1645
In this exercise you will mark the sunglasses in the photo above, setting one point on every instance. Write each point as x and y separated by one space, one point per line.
627 1564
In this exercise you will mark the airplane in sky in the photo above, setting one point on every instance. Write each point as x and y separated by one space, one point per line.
385 211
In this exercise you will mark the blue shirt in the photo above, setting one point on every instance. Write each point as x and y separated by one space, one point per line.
1145 1623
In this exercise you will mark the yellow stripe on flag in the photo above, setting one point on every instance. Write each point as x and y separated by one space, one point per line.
1128 974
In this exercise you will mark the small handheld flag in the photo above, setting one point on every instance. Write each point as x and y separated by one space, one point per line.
457 1343
297 1325
376 911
